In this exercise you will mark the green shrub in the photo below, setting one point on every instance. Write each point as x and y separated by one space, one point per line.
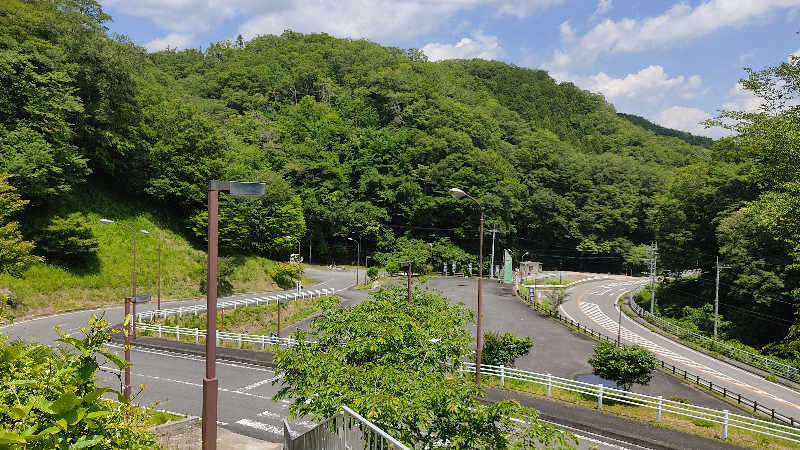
771 378
68 240
49 399
373 272
503 350
626 366
392 267
284 274
702 423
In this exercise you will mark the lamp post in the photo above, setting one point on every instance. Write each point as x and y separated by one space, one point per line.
126 388
160 239
133 233
210 382
358 255
458 194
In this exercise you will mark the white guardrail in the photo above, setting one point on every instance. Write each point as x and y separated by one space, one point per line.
195 333
194 309
759 361
661 406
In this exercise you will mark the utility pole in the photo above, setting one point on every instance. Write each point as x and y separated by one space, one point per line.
716 297
491 267
619 326
653 255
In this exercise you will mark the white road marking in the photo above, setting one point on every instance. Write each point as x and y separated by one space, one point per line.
593 312
191 357
260 383
269 428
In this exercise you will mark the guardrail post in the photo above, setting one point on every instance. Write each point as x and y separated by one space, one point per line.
239 341
502 375
196 335
217 338
262 343
159 330
177 333
658 413
549 384
755 406
195 310
600 397
725 424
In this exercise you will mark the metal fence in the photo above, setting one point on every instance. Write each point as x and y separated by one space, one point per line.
232 304
345 430
660 405
759 361
189 334
688 376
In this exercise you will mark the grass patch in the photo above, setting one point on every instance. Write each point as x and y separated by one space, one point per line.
697 427
258 319
48 288
160 417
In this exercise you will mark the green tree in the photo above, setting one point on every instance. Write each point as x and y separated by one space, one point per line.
68 240
15 253
394 361
626 366
504 349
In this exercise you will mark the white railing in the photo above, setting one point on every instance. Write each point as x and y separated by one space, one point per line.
344 431
605 394
759 361
222 336
232 304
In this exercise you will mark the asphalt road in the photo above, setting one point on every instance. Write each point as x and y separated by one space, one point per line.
594 305
174 381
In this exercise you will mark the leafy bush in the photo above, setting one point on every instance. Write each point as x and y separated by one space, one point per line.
226 266
392 267
373 272
284 274
49 399
503 350
626 366
68 240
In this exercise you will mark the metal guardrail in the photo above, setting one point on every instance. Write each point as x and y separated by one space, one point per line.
661 406
759 361
194 309
688 376
222 336
346 430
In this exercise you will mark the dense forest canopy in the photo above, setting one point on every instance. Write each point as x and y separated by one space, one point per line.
355 139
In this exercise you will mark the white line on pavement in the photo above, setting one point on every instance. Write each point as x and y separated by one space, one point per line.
261 426
192 357
260 383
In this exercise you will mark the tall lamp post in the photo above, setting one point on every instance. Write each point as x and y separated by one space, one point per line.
358 255
458 194
210 382
133 233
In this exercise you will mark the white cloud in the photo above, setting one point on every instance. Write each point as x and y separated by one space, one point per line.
479 46
687 119
173 40
677 25
602 7
649 85
567 32
740 99
381 20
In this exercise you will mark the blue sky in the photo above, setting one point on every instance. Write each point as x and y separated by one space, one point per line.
674 62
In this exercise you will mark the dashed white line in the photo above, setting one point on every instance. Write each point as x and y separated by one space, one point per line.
269 428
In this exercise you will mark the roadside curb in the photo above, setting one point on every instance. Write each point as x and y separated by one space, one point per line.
746 367
578 417
257 358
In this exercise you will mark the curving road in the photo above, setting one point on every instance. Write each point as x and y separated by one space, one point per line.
594 305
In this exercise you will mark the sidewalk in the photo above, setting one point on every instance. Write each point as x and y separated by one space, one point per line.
635 432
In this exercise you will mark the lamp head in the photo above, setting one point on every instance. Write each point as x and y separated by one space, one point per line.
106 221
457 193
349 239
144 231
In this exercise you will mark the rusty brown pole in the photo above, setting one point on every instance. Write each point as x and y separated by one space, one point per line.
409 281
480 303
159 271
134 264
133 320
126 388
210 382
279 316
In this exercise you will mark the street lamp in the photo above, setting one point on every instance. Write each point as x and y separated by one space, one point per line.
358 255
210 382
458 194
133 233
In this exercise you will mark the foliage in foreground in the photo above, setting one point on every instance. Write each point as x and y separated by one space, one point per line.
49 399
626 366
395 362
504 349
